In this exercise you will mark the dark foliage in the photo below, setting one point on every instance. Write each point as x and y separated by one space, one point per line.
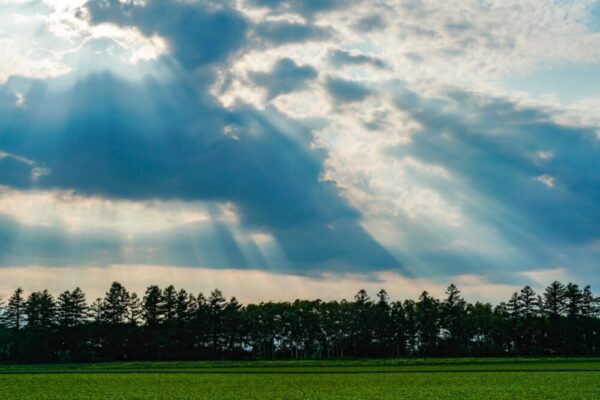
171 324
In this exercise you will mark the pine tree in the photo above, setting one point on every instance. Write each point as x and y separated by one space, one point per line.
115 307
573 298
589 306
1 313
96 310
383 324
231 323
528 302
169 303
513 307
14 315
554 299
79 307
40 309
399 324
554 308
152 305
184 307
427 314
453 318
134 310
216 304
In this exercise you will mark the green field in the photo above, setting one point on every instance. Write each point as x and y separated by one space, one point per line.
361 379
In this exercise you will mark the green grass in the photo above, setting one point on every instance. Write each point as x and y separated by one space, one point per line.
530 378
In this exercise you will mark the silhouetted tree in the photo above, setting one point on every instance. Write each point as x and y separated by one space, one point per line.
152 305
383 328
554 308
453 320
169 304
399 328
574 333
40 310
427 318
14 314
134 310
72 309
115 306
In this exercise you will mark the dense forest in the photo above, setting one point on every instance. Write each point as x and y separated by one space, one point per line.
170 324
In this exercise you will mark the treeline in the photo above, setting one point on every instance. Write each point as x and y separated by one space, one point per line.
170 324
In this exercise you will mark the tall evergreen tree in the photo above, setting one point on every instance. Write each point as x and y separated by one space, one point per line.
530 310
412 326
554 299
115 306
134 310
152 305
554 308
362 323
216 304
400 329
1 313
232 319
453 319
14 314
573 299
40 310
383 328
169 303
96 310
184 306
72 308
427 316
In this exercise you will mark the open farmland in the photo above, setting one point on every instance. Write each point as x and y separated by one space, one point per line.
380 379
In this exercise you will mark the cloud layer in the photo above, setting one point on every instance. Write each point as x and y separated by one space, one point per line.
313 136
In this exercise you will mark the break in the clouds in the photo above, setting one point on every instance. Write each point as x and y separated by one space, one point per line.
424 140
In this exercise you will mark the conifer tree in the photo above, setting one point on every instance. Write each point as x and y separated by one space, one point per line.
14 314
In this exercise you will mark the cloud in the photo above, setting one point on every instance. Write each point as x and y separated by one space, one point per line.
488 142
450 172
369 23
281 32
306 8
340 58
14 63
346 91
101 138
198 35
164 139
285 77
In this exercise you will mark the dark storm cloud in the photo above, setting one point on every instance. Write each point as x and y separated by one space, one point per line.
285 77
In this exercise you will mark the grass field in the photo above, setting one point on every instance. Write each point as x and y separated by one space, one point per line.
361 379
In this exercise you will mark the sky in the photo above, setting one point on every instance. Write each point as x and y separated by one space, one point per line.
299 148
